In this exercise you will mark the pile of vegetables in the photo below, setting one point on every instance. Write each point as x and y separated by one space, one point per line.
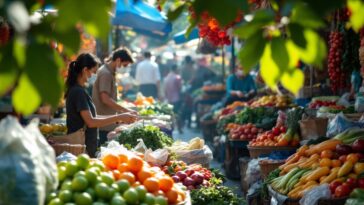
243 132
261 117
338 162
152 136
157 109
356 197
223 122
272 101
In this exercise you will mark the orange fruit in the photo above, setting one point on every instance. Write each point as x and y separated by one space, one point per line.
327 154
151 184
123 167
352 157
158 193
144 174
116 173
111 161
172 196
123 158
135 164
137 183
128 176
336 163
325 162
166 183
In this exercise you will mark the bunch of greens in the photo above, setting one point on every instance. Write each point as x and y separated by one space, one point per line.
158 108
221 124
215 195
152 136
262 117
146 112
264 189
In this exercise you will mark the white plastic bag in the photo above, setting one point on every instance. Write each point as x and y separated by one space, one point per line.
340 123
344 100
312 196
157 157
197 156
253 173
27 164
113 147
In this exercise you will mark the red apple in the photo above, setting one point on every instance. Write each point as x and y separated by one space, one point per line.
181 175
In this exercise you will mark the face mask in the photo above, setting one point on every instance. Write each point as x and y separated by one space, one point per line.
92 78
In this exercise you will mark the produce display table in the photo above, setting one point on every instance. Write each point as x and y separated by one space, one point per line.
234 149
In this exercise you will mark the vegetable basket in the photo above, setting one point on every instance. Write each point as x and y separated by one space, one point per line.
256 151
75 149
267 167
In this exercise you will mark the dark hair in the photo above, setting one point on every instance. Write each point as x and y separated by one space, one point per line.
188 59
87 60
147 54
124 54
173 67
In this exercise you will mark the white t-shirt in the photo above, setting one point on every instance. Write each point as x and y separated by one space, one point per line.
147 72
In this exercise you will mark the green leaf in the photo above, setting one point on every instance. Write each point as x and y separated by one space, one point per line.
297 36
9 69
260 19
94 16
280 53
357 13
214 8
70 38
192 25
19 51
174 14
315 51
26 98
44 72
302 14
269 70
251 51
293 80
322 8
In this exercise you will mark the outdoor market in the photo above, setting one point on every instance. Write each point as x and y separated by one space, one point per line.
181 102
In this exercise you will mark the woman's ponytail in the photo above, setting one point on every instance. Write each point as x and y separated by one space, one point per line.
75 68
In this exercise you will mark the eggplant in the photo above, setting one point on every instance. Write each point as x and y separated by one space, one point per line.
342 149
358 145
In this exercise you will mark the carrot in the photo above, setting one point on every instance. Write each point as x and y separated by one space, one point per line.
325 145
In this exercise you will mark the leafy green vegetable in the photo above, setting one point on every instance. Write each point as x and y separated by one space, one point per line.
262 117
215 195
152 136
158 108
221 124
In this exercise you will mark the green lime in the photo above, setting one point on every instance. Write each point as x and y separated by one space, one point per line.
51 196
91 176
98 164
65 195
55 201
115 186
92 192
66 185
131 196
102 190
112 192
149 199
62 173
83 160
117 200
83 199
95 169
123 185
79 183
70 203
141 192
62 163
71 168
80 173
160 200
107 178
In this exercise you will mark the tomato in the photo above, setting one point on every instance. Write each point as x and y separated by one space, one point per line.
361 183
342 158
333 185
353 183
342 190
283 129
276 131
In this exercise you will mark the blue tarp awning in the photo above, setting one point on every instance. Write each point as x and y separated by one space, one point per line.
181 36
142 18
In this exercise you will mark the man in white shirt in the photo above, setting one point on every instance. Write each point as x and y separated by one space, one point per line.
148 77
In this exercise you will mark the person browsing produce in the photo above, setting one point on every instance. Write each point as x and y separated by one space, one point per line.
81 112
239 86
104 92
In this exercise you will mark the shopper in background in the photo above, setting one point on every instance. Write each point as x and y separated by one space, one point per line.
202 74
172 92
163 68
239 86
104 92
148 77
81 111
187 69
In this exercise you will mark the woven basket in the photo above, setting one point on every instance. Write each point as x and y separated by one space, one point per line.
256 151
267 167
75 149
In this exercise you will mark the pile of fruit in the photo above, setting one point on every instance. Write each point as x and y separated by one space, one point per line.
53 129
274 137
272 101
337 161
117 179
320 103
243 132
193 144
142 101
216 87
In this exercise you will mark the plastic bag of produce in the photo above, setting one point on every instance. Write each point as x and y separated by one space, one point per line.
340 123
252 172
27 164
312 196
197 156
157 157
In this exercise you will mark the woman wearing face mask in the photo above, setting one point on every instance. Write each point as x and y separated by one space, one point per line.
80 108
239 87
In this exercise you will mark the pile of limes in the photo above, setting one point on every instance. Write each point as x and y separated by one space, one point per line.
90 182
